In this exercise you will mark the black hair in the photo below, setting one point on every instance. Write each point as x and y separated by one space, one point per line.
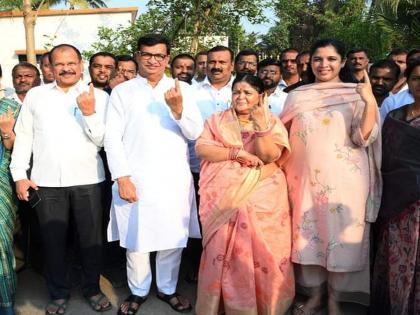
411 53
410 68
345 73
102 54
290 49
43 56
152 40
397 51
64 46
183 56
127 58
1 72
252 80
25 64
303 53
357 50
247 52
221 48
386 63
268 62
201 53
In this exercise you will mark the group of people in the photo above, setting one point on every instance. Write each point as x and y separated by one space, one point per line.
272 173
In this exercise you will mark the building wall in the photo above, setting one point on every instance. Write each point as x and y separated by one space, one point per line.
78 30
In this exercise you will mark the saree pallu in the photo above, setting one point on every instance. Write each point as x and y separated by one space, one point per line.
245 266
8 210
396 276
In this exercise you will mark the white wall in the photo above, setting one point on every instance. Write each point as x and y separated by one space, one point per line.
78 30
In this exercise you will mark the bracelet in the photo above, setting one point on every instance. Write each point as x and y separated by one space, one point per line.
5 136
233 153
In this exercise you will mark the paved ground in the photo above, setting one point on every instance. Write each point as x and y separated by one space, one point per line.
32 297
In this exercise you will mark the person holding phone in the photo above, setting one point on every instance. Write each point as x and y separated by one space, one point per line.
62 125
245 266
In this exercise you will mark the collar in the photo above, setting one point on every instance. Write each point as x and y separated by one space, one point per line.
206 82
79 87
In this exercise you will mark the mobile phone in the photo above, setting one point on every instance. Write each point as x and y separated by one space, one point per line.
34 197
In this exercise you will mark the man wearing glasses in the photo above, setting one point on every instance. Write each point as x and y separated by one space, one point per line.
289 69
62 124
148 123
246 62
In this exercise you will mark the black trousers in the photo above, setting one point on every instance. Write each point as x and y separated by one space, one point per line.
83 204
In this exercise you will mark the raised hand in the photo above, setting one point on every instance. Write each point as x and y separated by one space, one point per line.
7 122
259 114
86 101
365 90
173 98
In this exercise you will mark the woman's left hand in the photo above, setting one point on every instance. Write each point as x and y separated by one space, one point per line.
259 115
7 121
365 90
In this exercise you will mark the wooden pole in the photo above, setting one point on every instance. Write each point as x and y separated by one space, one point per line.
29 23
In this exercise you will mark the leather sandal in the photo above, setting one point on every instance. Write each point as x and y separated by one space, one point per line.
178 306
133 302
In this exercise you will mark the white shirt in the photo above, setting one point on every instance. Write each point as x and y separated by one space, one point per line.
64 143
395 101
145 142
209 100
276 101
282 85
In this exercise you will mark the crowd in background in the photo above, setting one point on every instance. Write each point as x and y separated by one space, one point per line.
279 177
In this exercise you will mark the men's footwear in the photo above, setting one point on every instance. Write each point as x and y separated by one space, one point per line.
133 302
174 301
59 308
99 302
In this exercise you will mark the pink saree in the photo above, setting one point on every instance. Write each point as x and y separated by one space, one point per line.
245 266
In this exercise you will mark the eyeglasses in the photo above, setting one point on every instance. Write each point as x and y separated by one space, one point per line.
249 63
148 56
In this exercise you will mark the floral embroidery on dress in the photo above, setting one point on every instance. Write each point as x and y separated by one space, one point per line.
306 129
321 198
346 153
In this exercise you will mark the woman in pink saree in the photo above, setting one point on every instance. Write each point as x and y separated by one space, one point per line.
245 266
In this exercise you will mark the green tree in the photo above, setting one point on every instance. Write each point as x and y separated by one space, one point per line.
190 31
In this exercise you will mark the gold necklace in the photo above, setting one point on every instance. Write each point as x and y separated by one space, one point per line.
413 113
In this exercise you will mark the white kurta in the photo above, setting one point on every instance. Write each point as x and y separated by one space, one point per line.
144 141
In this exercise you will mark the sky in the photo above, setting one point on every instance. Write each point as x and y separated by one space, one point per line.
260 28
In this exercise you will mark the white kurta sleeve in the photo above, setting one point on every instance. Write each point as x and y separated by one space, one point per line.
191 122
94 125
22 148
114 134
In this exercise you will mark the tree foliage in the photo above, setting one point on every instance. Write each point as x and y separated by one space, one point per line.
190 31
375 25
7 5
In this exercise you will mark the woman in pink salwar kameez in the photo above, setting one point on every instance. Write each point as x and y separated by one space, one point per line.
245 266
333 177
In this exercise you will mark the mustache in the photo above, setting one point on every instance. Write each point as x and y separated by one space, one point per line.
214 70
66 72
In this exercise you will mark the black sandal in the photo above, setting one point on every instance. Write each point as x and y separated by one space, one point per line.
95 302
60 307
134 303
177 307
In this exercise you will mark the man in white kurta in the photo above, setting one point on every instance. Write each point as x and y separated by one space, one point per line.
149 121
